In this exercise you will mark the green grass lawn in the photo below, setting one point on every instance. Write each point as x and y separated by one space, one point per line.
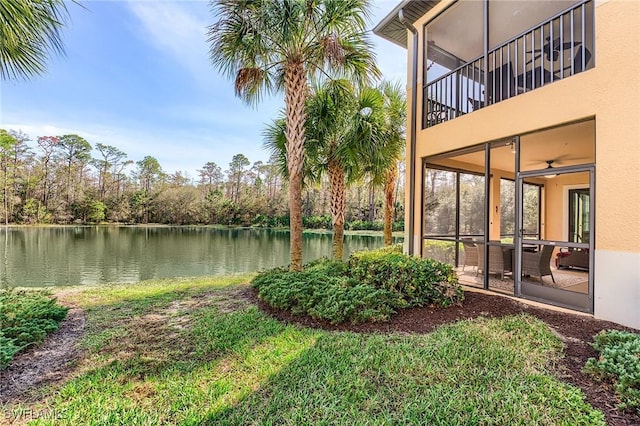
195 352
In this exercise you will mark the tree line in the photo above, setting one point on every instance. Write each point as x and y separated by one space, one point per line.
264 47
64 180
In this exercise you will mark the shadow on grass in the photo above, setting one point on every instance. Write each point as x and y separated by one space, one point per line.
245 368
473 372
145 376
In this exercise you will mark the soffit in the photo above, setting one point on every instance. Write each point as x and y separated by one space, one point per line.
392 29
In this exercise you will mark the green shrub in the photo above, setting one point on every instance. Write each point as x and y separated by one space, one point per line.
618 363
323 291
25 319
394 248
7 350
398 225
416 281
365 225
370 287
444 251
317 222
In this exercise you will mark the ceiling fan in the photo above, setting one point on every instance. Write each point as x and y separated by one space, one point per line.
550 174
552 51
562 160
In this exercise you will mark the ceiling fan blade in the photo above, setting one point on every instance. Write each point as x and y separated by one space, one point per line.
572 160
565 45
569 45
535 58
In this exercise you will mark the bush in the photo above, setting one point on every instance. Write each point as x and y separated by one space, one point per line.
416 281
324 291
25 319
618 363
317 222
7 350
364 225
370 287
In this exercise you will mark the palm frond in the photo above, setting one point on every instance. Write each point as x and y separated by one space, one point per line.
274 141
30 31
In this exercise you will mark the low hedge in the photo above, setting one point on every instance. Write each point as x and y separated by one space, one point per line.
26 317
619 364
417 281
371 286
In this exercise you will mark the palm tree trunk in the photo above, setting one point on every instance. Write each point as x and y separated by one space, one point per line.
389 191
337 189
372 199
295 81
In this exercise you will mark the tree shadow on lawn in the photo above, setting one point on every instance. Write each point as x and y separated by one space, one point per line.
481 371
149 372
576 332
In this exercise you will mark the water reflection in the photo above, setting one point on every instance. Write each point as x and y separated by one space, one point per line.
34 257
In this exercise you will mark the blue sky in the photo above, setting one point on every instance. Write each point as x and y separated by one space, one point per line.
137 76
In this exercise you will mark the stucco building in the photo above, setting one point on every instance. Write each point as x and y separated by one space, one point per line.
523 146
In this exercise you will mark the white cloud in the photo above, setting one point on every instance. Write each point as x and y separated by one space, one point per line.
186 135
179 30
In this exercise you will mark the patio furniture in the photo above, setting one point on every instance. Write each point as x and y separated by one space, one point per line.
538 264
436 117
470 253
497 263
474 103
573 259
539 76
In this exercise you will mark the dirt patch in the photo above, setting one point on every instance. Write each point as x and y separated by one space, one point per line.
576 332
226 300
54 360
50 362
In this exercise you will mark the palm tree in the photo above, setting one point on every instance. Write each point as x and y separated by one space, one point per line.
29 33
395 117
268 46
332 114
342 129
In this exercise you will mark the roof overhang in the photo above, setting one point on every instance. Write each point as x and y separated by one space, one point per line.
392 29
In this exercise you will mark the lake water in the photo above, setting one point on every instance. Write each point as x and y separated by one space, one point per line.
58 256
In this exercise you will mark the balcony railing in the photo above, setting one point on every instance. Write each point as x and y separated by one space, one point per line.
555 49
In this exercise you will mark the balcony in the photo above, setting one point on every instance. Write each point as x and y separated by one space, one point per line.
557 48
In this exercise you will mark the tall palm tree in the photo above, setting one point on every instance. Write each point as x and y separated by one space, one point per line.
343 130
29 33
382 162
275 141
269 46
395 117
331 121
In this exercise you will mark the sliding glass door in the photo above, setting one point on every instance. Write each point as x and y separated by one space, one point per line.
556 267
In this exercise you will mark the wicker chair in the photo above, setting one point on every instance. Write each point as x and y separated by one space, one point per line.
470 253
538 264
496 260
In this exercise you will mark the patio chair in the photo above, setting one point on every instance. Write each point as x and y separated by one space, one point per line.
470 253
538 264
496 260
